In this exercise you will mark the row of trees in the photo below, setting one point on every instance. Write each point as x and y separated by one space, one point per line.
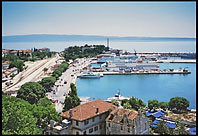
176 104
83 51
62 68
42 55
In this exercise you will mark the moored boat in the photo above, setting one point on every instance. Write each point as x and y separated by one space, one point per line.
89 75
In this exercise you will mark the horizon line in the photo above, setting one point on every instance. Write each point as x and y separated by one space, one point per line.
101 36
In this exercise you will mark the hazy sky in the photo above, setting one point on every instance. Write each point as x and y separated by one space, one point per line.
169 19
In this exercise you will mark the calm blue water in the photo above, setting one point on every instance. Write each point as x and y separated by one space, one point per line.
161 87
157 86
155 46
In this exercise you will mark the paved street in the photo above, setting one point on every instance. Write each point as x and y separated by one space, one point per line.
61 87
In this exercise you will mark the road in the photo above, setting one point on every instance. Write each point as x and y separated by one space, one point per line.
60 89
32 73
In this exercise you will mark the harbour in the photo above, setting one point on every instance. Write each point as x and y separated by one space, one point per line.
145 86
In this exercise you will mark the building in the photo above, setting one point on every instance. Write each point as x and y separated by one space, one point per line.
44 50
87 118
5 65
125 121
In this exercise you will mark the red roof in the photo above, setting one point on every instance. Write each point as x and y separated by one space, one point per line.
43 48
6 62
117 115
88 110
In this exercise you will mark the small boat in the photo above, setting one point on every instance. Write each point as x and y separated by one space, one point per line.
117 97
89 75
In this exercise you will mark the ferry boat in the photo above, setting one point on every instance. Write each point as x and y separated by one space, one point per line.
89 75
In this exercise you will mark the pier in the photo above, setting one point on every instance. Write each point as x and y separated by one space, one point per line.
177 61
146 72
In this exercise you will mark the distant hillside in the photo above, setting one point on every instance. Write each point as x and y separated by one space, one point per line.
54 38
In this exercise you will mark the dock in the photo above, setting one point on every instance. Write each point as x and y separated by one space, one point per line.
148 72
177 61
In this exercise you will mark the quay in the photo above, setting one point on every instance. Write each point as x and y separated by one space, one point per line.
146 72
177 61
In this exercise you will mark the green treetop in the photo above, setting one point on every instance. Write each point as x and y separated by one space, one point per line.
31 92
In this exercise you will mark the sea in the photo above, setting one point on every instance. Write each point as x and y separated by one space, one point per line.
146 87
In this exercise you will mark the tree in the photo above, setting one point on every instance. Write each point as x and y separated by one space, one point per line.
178 103
73 90
56 73
162 128
31 92
163 105
127 105
72 100
136 103
45 70
180 128
115 102
48 82
17 117
124 101
153 104
18 64
45 111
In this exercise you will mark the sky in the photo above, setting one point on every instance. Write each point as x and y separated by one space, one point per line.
149 19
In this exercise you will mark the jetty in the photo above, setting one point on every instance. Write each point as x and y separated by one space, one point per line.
177 61
147 72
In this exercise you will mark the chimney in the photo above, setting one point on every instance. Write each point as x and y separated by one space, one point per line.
52 123
70 113
97 110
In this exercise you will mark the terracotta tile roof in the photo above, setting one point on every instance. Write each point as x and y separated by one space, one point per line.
88 110
6 62
6 51
131 115
43 48
13 51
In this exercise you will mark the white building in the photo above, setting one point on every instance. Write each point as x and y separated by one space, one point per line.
88 118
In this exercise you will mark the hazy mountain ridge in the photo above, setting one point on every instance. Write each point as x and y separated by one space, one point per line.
56 38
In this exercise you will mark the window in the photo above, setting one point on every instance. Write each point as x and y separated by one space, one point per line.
86 122
129 130
90 130
77 133
121 128
96 128
93 119
100 126
145 126
100 117
76 123
84 132
109 125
